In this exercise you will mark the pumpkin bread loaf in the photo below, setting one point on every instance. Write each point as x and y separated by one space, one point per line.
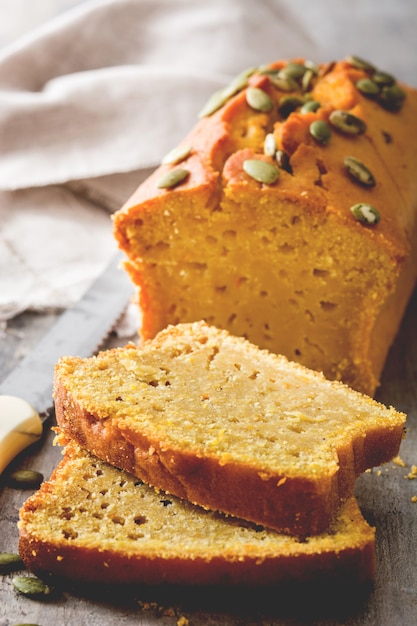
93 523
213 419
287 216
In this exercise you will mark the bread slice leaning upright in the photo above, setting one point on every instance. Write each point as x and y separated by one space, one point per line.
93 523
213 419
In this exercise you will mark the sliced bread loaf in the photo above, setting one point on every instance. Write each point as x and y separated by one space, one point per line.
92 522
213 419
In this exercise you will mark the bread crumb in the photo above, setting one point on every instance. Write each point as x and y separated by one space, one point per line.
183 621
414 499
413 473
398 461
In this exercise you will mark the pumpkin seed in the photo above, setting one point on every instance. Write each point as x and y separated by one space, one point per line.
270 145
262 171
238 83
320 131
365 213
25 479
215 102
294 70
359 172
10 561
283 161
360 64
282 82
367 87
288 104
258 99
383 78
347 123
310 65
172 178
307 80
392 98
31 586
310 107
176 155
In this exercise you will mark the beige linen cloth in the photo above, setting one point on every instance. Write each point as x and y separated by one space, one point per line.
90 103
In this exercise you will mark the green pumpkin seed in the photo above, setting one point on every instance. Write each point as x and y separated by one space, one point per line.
383 78
283 83
270 145
359 172
307 80
215 102
347 123
294 70
320 131
25 479
365 213
238 83
176 155
31 586
258 99
10 561
311 66
392 98
261 171
310 107
360 64
367 87
172 178
283 161
288 104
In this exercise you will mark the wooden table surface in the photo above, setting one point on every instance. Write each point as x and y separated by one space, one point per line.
385 496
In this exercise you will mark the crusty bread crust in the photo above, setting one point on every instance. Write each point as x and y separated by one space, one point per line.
295 500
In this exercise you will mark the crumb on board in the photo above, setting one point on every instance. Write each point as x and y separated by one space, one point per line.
414 499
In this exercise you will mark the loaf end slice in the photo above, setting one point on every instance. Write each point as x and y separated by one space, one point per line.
213 419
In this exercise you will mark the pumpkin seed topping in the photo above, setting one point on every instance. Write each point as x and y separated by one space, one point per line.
176 155
238 83
172 178
359 172
258 99
270 145
360 64
365 213
261 171
310 107
31 586
347 123
392 98
383 78
368 87
293 70
25 479
320 131
10 561
283 83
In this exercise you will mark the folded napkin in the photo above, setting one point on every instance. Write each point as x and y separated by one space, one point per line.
90 103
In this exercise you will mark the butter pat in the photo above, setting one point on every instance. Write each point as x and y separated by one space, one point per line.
20 426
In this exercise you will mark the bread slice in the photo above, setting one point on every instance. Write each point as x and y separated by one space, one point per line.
91 522
284 262
213 419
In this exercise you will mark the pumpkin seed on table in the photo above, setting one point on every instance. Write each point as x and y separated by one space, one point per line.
172 178
346 122
10 561
320 131
261 171
25 479
31 586
365 213
359 172
258 99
